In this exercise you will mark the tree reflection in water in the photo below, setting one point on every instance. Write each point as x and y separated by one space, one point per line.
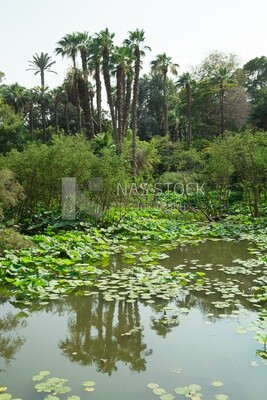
96 334
10 341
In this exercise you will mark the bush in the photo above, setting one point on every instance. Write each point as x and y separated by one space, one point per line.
11 191
10 239
39 168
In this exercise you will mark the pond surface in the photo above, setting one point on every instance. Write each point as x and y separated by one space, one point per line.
200 334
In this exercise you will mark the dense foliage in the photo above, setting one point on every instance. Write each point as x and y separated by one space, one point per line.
174 154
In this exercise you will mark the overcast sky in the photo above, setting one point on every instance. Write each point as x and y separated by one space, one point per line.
186 30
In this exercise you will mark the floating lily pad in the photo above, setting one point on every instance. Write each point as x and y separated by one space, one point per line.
152 385
159 391
5 396
44 373
167 396
89 383
217 383
37 378
50 397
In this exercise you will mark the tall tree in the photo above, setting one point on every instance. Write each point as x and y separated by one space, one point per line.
15 95
94 64
84 41
69 46
162 64
222 79
135 41
40 64
104 42
256 75
122 61
185 81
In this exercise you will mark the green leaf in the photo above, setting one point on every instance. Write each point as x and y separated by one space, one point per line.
181 390
5 396
152 385
159 391
74 397
167 396
89 383
221 397
63 390
50 397
37 378
44 373
217 383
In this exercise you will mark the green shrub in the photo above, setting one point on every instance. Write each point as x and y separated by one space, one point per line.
10 239
10 191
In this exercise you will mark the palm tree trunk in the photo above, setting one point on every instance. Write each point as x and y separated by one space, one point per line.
120 83
165 106
134 107
98 96
222 109
56 117
31 120
44 136
109 92
127 104
189 112
77 101
86 105
66 118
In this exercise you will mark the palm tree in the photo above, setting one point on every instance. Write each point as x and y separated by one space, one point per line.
162 64
122 61
69 46
222 79
56 96
135 43
104 42
16 96
94 65
40 64
185 81
84 41
31 97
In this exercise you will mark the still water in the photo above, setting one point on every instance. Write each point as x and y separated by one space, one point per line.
200 336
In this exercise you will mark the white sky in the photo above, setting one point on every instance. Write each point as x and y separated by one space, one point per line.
186 30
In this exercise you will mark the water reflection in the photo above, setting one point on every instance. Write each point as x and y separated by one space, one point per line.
98 333
10 341
116 337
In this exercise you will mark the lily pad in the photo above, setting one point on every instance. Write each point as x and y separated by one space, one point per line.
5 396
37 378
221 397
217 383
89 383
159 391
44 373
152 385
167 396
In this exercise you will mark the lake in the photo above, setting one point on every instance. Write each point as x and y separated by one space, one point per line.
123 337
